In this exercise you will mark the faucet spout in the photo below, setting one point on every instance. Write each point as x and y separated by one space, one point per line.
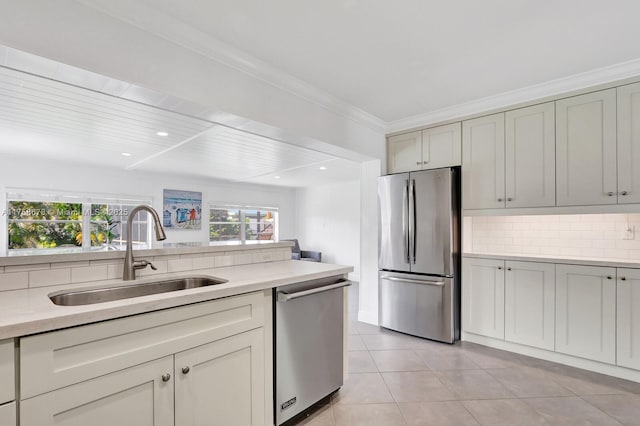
130 266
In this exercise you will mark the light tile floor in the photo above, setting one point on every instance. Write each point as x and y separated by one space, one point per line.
397 379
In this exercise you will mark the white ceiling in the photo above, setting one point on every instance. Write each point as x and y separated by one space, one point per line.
44 118
399 59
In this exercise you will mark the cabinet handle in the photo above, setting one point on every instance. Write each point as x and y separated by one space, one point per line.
185 370
425 162
166 377
509 199
610 194
499 200
508 269
418 163
609 277
623 278
499 268
624 193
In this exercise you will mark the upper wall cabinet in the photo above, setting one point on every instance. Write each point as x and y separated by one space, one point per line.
404 152
530 145
441 146
586 149
629 144
429 149
483 163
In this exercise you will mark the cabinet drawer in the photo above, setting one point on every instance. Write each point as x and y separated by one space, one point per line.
7 372
52 360
8 414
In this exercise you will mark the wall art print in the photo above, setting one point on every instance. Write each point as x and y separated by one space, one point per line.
181 209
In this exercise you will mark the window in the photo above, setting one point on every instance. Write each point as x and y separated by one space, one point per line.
233 223
48 223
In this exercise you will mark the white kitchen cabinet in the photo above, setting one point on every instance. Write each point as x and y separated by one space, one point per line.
483 167
586 312
628 318
629 144
223 380
76 375
442 146
404 152
7 370
586 149
483 297
136 396
530 169
530 304
8 414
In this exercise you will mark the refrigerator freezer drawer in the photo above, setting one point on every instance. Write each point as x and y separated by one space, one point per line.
418 305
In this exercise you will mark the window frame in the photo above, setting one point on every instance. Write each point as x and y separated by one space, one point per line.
242 221
87 201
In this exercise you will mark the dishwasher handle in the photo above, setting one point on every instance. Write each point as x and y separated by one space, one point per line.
283 297
413 281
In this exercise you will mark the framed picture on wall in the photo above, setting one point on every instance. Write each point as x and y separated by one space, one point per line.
181 209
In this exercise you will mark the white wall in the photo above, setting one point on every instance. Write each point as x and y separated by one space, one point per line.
328 220
41 174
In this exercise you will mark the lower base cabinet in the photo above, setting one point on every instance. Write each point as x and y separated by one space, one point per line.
530 296
8 414
223 380
202 364
136 396
483 297
628 318
586 312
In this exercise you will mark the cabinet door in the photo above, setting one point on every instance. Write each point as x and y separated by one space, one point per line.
586 312
404 153
135 396
586 149
530 298
7 371
629 144
483 297
442 146
222 381
530 151
629 318
8 414
483 163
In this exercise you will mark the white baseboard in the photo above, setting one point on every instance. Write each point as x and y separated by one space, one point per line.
368 317
585 364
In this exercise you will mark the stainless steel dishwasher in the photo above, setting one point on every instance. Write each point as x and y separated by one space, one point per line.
309 324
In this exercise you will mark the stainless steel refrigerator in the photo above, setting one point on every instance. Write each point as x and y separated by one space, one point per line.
419 253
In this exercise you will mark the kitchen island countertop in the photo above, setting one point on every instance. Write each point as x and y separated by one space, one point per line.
30 311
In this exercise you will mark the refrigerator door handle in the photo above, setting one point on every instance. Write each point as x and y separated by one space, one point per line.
412 221
405 234
410 280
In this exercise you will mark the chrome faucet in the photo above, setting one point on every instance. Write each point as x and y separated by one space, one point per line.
130 265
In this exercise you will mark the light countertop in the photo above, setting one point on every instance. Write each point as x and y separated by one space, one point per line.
29 311
587 261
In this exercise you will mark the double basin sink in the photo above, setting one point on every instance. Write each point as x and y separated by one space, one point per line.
107 294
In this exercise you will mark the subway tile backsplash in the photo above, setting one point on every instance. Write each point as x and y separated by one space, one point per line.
49 274
593 235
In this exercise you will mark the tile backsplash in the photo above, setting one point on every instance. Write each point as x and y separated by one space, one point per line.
592 235
48 274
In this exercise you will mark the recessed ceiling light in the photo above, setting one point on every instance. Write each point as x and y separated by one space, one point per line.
323 168
126 154
162 134
276 177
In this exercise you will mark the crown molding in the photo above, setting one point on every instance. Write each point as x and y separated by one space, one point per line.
171 29
581 81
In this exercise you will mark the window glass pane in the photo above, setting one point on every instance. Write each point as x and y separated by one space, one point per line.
109 223
260 224
44 235
43 225
224 224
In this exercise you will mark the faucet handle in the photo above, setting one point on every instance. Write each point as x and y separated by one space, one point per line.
152 267
141 264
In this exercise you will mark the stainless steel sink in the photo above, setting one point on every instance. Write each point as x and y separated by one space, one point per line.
107 294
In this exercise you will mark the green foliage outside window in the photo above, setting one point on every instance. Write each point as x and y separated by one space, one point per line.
43 224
